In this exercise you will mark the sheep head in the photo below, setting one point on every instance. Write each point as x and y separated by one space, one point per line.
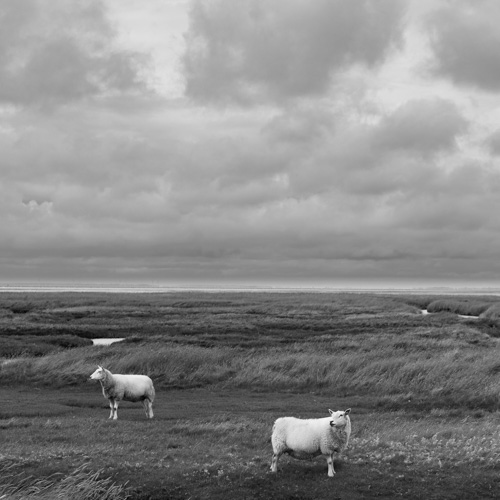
99 374
339 418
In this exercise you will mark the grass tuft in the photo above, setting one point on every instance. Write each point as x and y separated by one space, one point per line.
492 313
466 307
81 484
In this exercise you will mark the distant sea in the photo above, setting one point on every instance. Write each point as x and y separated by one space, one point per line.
131 288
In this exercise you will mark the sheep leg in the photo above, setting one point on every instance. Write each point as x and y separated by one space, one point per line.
111 405
274 462
115 417
148 408
329 461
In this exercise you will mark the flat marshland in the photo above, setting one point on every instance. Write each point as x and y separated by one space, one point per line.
424 393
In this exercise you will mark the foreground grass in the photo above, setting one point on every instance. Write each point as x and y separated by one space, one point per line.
80 484
216 444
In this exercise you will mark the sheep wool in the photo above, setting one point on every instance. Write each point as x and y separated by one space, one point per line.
308 438
116 387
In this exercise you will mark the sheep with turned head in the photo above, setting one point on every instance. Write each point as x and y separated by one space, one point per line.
133 388
307 438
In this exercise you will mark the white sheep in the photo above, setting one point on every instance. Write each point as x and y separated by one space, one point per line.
307 438
125 387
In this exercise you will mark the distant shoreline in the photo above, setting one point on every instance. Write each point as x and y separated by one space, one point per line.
228 289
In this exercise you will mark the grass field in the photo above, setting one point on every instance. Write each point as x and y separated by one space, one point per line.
423 391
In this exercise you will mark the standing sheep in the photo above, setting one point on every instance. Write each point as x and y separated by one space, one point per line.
125 387
304 439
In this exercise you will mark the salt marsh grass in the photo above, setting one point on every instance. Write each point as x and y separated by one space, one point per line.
434 441
423 391
210 449
447 366
80 484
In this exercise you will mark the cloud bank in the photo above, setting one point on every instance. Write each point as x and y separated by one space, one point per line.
57 52
252 51
465 41
309 145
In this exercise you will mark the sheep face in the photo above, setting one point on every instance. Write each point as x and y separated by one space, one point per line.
339 418
98 374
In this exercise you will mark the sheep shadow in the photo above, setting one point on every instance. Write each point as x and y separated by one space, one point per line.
316 466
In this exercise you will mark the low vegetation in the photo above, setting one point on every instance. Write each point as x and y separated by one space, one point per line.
80 484
465 307
454 366
423 391
14 346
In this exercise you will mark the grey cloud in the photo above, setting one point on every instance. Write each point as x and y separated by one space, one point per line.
421 126
462 200
130 194
466 42
247 51
329 233
126 188
53 53
303 123
493 142
397 154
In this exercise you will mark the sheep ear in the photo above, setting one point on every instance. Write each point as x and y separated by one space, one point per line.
347 411
331 411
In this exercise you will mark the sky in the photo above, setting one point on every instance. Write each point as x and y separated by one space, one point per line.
254 142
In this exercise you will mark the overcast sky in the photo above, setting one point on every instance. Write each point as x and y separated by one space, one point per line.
250 141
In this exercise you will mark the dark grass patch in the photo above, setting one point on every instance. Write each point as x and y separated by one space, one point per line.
29 345
241 318
465 306
12 423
